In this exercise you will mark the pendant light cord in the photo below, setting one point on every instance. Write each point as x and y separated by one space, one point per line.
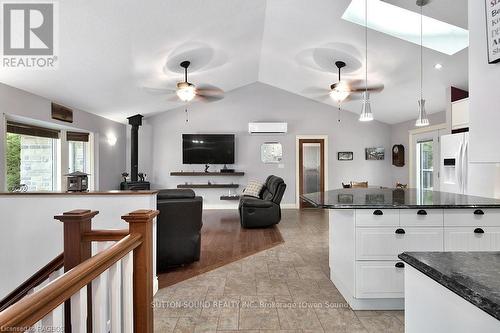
421 50
366 46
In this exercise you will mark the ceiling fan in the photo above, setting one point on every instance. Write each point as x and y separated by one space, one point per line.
345 90
187 91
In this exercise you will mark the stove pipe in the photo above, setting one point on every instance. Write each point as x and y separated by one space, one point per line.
135 121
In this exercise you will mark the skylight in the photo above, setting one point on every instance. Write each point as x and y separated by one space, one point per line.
405 24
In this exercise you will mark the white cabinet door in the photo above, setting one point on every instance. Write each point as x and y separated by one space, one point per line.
384 243
472 239
422 239
471 217
379 279
380 243
377 217
460 114
421 217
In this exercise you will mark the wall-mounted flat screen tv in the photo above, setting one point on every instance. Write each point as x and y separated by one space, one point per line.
208 148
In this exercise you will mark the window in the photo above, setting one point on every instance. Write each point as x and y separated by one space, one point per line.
38 158
425 164
79 152
31 158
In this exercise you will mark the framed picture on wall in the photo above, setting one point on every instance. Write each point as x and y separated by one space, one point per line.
345 155
374 154
493 37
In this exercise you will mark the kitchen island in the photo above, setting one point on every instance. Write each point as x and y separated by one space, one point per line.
369 228
452 292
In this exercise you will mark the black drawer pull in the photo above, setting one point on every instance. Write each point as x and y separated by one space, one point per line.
478 212
378 212
400 231
400 265
478 231
422 212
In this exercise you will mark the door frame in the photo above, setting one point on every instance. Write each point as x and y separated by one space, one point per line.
297 162
411 134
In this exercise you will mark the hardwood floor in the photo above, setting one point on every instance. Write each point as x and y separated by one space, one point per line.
223 241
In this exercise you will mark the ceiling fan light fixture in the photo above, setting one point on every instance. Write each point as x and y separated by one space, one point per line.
422 119
186 91
366 109
340 92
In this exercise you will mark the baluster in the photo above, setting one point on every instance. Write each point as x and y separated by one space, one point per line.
115 279
128 295
100 297
141 222
79 312
57 314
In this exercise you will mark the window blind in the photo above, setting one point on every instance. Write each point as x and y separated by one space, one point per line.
18 128
77 136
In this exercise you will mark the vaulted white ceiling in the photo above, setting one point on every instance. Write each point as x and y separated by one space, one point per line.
114 54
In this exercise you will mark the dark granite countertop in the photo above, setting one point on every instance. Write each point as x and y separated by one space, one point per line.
474 276
365 198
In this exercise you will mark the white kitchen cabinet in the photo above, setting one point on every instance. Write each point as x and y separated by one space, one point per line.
460 114
377 217
364 247
471 217
472 238
379 279
386 243
421 217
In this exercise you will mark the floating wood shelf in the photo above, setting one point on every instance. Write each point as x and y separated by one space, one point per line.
230 197
184 173
208 186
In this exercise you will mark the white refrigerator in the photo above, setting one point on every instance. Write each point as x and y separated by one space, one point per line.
454 162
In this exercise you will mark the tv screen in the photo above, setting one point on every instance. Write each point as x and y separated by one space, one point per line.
208 148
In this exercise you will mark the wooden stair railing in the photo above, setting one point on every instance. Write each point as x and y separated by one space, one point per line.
31 283
78 235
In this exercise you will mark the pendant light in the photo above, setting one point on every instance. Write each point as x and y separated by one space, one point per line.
366 109
422 119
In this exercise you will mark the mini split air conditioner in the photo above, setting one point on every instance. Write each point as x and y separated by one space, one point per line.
267 128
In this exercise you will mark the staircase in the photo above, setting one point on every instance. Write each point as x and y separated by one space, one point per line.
102 282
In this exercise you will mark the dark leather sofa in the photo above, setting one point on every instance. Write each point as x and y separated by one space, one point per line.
178 228
264 211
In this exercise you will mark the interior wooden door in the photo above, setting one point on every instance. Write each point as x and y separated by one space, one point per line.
311 167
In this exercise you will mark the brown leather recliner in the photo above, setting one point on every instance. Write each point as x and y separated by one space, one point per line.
178 227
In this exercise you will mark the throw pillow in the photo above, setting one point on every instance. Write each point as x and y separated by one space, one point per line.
253 189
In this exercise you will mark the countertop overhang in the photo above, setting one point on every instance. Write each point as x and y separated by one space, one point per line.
395 198
55 193
474 276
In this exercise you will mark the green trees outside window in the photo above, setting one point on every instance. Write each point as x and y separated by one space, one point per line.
13 155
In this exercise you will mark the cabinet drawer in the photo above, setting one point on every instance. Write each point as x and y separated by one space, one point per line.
379 279
377 217
386 243
421 217
471 239
471 217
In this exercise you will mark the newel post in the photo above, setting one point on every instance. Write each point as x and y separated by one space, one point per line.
76 250
141 222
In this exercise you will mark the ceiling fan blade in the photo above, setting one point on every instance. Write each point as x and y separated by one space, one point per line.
209 98
372 87
208 90
158 91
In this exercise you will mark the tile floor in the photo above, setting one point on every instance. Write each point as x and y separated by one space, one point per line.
283 289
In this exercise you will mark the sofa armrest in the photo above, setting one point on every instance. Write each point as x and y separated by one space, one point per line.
255 203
